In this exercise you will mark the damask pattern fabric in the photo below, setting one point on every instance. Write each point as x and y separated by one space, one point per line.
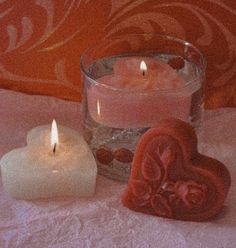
41 40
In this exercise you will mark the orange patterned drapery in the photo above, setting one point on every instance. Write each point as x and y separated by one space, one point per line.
41 40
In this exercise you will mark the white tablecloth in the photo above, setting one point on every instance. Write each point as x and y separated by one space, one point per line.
102 221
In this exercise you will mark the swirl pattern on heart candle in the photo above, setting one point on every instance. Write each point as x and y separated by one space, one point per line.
169 178
41 40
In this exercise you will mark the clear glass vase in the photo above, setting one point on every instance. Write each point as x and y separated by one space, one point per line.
120 102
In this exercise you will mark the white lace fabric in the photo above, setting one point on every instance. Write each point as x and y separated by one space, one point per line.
102 221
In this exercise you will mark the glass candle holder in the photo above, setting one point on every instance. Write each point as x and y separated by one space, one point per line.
132 82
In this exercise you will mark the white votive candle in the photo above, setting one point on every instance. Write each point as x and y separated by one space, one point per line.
47 168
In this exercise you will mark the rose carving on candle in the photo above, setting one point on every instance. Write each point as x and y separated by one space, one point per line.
169 178
191 193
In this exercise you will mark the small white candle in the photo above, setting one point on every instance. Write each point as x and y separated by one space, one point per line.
43 169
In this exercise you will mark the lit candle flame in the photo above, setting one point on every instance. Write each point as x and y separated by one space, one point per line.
143 67
98 108
54 136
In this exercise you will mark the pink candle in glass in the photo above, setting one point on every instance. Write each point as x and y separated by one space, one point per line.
140 92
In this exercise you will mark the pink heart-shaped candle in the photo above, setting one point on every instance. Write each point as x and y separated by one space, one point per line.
170 178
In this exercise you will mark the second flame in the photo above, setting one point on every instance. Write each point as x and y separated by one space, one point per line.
143 67
54 135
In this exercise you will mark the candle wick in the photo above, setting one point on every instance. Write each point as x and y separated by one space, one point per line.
143 72
54 148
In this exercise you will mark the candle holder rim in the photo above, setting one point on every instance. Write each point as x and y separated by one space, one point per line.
181 41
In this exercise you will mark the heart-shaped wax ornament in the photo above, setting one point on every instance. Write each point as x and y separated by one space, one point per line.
170 178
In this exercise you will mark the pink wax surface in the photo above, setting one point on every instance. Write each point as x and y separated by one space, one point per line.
129 99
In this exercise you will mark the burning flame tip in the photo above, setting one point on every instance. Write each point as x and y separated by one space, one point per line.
54 134
143 67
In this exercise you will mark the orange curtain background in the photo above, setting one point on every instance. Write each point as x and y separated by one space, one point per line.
41 40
